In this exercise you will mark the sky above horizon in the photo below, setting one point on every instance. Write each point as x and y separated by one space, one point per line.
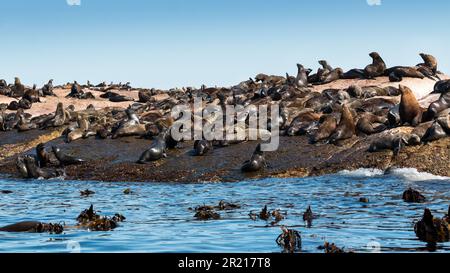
174 43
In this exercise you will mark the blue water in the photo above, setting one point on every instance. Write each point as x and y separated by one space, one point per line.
159 219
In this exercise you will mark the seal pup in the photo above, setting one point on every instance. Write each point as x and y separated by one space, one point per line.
377 68
65 160
156 151
410 110
346 127
202 147
256 163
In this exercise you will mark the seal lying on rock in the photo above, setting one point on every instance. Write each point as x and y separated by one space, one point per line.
64 159
391 142
327 126
437 107
256 163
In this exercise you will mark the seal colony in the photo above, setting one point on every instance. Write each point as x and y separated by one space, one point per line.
329 121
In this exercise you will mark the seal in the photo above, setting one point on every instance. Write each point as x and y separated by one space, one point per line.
256 163
58 119
440 129
130 126
354 74
156 151
369 124
397 73
377 68
18 89
65 160
202 147
429 61
32 95
47 89
327 126
409 109
43 158
301 123
346 127
437 107
302 78
441 87
21 167
334 75
391 142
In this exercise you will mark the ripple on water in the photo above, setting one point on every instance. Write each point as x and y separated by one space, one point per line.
159 219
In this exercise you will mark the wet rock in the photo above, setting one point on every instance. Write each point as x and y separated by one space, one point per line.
207 215
290 240
308 216
331 248
432 230
364 200
413 196
91 220
87 192
34 227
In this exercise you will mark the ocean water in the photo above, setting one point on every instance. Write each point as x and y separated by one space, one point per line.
159 219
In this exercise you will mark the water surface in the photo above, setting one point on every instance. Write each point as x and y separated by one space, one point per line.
159 219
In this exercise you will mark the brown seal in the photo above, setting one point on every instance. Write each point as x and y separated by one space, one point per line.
370 124
328 124
346 128
377 68
409 109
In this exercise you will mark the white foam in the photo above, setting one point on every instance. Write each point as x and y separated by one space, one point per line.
362 172
412 174
409 174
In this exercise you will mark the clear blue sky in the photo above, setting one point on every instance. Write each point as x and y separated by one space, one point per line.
174 43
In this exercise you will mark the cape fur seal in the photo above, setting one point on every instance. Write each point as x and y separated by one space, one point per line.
156 151
327 126
410 110
256 163
65 159
302 78
437 107
391 142
346 127
377 68
202 147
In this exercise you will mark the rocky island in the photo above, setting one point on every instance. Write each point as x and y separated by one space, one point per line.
376 117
